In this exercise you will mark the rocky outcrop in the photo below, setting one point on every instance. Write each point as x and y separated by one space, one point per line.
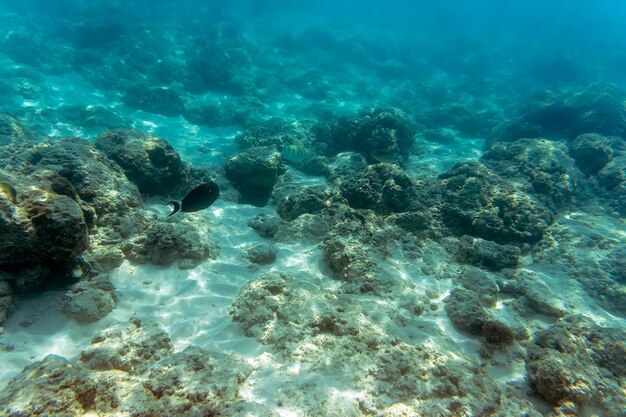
148 161
577 363
479 203
254 172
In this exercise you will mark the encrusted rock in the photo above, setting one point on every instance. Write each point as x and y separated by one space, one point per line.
196 382
479 203
310 200
148 161
579 363
592 152
130 347
388 130
546 168
384 188
90 300
597 107
98 181
484 253
52 387
261 253
266 224
482 283
465 311
254 172
144 237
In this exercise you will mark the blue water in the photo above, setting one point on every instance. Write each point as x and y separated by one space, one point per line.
469 78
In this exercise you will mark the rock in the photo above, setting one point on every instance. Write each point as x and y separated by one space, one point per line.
387 129
162 242
479 203
7 300
497 333
159 100
149 162
52 387
466 312
261 253
416 222
481 283
96 32
307 228
276 133
89 300
254 173
104 258
532 293
579 363
118 393
266 224
131 347
196 382
486 254
42 231
98 181
312 200
545 168
217 61
384 188
596 108
592 152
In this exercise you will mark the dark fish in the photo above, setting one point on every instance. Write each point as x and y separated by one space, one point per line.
9 190
197 199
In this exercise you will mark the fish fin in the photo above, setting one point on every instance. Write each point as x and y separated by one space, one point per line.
176 205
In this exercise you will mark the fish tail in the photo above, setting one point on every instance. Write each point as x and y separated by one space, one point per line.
176 205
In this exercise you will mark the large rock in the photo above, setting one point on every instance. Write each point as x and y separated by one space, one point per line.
594 108
479 203
132 347
577 363
384 188
98 181
148 161
52 387
42 232
542 166
254 173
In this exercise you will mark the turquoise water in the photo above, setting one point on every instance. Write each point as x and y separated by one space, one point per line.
421 208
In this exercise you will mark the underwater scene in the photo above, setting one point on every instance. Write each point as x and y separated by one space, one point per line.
321 208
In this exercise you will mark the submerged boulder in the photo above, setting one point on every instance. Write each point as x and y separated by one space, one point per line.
151 163
577 363
595 108
254 172
479 203
98 180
